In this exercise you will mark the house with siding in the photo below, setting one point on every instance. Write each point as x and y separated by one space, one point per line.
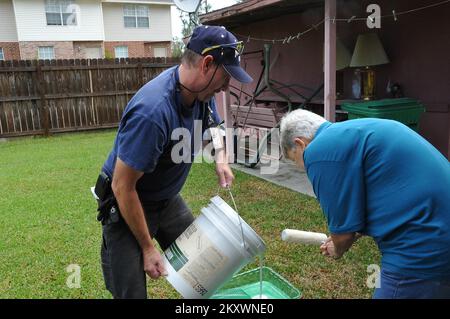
83 29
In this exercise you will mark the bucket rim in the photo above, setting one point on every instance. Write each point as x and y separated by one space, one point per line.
216 200
252 239
233 237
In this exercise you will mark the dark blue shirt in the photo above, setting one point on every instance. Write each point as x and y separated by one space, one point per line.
382 179
144 139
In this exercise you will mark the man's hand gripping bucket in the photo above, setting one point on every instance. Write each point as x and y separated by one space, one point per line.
211 250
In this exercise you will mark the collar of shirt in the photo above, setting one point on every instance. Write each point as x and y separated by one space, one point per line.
321 128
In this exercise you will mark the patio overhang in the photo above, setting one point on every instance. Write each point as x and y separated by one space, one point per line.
257 10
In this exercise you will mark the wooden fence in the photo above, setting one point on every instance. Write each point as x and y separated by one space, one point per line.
43 97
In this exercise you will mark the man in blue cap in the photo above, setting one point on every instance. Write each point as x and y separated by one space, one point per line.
142 201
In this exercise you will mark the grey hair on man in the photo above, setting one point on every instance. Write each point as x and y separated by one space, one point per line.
298 123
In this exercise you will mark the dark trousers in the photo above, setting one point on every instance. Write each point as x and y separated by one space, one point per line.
399 286
121 255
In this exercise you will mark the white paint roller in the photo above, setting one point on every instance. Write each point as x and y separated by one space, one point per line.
303 237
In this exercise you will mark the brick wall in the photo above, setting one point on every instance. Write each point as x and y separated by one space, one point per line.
137 49
151 45
80 49
63 50
11 50
76 50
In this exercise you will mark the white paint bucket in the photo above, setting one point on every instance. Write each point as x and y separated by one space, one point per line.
210 251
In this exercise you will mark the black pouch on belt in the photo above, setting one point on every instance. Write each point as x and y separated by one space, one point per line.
108 211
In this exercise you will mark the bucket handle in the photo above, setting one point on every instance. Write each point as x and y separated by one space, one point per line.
237 212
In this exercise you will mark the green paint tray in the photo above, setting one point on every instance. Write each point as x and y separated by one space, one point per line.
247 286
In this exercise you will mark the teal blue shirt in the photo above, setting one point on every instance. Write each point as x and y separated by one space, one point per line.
382 179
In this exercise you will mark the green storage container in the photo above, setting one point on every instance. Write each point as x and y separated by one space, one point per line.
404 110
247 286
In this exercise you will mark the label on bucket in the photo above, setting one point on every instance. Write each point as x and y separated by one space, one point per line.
195 258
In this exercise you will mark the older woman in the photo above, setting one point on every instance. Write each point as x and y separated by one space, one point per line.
379 178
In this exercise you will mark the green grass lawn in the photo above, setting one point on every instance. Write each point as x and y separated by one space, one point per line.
47 222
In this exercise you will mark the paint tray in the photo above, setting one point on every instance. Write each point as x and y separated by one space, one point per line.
247 286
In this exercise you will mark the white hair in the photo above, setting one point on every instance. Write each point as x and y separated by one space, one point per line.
298 123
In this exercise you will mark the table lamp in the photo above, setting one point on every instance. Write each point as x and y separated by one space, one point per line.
343 55
368 52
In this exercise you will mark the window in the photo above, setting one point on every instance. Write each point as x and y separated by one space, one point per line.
46 53
160 52
2 57
121 52
60 12
135 16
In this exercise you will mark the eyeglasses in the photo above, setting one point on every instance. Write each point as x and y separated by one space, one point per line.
229 52
237 46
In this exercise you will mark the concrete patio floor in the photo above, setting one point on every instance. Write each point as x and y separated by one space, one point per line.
288 175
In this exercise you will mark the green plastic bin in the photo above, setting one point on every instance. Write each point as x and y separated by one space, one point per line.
247 286
404 110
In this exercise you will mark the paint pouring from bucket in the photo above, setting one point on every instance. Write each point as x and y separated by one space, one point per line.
210 251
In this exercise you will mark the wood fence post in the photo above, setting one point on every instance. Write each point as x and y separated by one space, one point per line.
45 115
140 73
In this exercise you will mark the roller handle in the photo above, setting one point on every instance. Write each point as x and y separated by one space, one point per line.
303 237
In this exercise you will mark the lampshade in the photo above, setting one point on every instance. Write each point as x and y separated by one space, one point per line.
342 55
368 51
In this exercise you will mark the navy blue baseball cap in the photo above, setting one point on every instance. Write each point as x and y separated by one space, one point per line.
223 46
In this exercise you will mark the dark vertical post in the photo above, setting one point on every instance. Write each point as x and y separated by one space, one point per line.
45 115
